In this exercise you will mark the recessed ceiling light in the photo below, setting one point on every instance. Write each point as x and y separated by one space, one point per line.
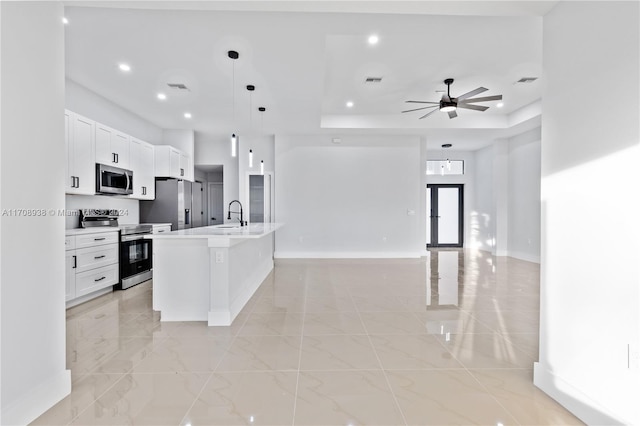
373 39
65 20
124 67
187 115
500 104
349 104
161 96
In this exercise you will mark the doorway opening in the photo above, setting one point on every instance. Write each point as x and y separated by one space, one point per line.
259 190
445 215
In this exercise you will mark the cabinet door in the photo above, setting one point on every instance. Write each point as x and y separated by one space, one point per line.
148 169
120 147
135 148
174 159
104 154
70 183
84 166
70 275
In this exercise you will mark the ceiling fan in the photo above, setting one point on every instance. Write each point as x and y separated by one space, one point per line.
449 104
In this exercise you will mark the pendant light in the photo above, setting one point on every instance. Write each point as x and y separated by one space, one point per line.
250 88
261 167
234 140
250 158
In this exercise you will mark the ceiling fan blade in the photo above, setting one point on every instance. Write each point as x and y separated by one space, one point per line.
483 99
429 113
422 102
418 109
474 107
472 93
452 114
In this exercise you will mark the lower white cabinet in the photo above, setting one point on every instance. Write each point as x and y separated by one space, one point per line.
92 264
158 229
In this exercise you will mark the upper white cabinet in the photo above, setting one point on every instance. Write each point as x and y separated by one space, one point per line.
142 165
81 167
186 169
171 162
112 147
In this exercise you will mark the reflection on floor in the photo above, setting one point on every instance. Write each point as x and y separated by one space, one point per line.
449 339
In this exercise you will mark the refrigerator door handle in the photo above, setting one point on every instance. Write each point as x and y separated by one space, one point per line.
187 216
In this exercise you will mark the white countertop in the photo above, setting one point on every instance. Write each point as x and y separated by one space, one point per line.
96 230
227 231
100 229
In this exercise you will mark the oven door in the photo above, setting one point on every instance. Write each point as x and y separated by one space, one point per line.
135 259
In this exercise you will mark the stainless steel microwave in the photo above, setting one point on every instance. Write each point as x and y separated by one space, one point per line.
113 180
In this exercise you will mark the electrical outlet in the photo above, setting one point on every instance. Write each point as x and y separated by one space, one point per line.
633 356
219 257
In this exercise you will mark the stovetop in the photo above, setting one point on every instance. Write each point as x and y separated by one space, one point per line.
135 229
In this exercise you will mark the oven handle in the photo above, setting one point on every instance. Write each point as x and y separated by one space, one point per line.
133 237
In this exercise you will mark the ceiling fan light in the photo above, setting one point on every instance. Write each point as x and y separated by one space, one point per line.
447 108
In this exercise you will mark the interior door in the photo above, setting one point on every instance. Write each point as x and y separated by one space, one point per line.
445 209
216 201
196 206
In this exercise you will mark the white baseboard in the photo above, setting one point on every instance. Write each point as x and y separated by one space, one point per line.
29 407
524 256
571 398
347 255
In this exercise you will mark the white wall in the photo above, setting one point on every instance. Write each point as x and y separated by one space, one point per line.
218 152
32 177
483 216
590 300
88 103
524 196
348 200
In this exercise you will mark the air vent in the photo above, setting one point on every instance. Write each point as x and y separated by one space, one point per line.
373 80
178 86
527 80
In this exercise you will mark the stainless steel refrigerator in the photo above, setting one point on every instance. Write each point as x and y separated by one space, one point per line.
172 204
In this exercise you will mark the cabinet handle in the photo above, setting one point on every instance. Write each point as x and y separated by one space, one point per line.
181 172
144 190
73 181
99 239
75 262
117 158
162 230
77 181
99 257
99 279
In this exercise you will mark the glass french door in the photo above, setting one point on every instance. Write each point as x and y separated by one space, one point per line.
445 210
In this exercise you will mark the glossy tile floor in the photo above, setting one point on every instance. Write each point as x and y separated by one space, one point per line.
448 339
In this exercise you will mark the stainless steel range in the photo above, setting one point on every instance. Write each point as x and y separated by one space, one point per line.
135 255
135 250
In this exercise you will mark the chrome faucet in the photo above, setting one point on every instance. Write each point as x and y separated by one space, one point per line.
240 212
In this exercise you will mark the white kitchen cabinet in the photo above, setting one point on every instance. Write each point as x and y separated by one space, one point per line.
142 165
168 162
92 265
186 169
80 144
112 147
70 275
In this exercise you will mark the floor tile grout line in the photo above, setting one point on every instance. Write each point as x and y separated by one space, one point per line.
384 374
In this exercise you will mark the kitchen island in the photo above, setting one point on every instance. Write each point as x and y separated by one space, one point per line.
210 273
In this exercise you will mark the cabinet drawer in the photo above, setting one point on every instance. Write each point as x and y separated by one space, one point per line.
96 279
90 240
69 242
161 229
95 257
